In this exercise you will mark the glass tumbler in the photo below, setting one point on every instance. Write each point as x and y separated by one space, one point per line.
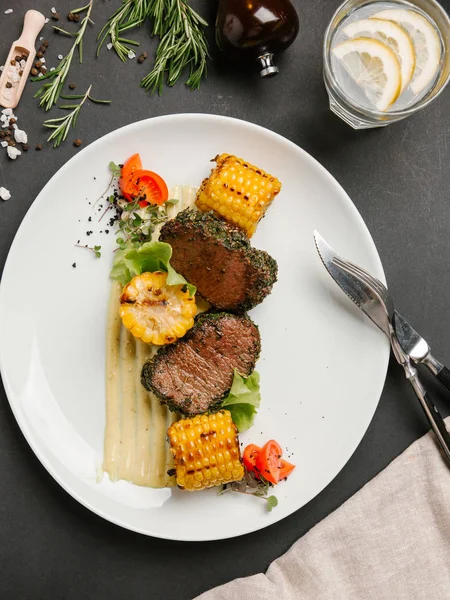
359 115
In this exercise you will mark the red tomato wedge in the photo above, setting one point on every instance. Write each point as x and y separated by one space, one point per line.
146 185
134 163
251 454
268 462
286 469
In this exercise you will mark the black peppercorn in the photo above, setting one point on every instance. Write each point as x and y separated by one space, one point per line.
38 64
77 142
45 43
39 54
25 147
38 146
34 71
8 84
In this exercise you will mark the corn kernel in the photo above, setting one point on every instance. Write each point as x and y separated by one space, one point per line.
233 190
210 456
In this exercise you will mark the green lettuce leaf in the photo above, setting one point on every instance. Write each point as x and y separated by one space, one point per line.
150 257
243 400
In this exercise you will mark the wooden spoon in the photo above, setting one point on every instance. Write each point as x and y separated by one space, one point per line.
11 83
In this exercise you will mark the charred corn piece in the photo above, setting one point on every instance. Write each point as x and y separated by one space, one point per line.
155 312
238 191
205 450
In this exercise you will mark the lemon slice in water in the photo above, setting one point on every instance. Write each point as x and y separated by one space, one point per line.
374 67
391 34
427 44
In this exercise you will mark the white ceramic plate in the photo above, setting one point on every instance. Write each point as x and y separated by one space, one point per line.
322 365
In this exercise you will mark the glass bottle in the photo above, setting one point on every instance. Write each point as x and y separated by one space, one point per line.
256 30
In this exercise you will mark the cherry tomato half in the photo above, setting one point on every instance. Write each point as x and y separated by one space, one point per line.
268 462
134 163
146 185
286 469
251 454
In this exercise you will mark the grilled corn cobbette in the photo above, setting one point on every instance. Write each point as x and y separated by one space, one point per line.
205 450
155 312
238 191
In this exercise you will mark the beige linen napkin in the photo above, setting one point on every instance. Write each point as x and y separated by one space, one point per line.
390 541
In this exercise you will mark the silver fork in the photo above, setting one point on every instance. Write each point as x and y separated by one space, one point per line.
375 298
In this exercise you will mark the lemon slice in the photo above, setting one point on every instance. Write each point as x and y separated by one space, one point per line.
391 34
427 44
374 67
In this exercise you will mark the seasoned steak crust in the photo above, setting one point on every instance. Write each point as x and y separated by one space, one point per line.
193 375
218 259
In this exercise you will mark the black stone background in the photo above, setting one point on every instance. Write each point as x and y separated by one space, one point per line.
398 177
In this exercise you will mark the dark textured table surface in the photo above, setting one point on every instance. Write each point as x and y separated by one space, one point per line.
398 177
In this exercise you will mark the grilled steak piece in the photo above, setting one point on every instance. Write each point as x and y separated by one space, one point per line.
194 374
217 258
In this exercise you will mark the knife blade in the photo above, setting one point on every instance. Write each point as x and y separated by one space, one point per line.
418 349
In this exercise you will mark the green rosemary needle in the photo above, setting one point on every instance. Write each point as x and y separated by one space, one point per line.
183 44
62 125
131 13
50 92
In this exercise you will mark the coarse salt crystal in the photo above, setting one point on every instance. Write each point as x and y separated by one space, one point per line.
4 193
41 38
40 75
3 144
13 153
46 20
22 64
7 112
109 46
20 136
8 11
15 126
3 118
53 10
15 77
42 60
131 55
60 56
52 69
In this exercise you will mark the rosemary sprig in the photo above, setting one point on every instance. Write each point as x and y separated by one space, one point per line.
62 125
183 44
131 13
50 92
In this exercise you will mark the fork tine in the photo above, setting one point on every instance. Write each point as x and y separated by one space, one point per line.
360 295
365 276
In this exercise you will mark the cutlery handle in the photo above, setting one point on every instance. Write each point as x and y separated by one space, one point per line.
438 370
444 377
433 415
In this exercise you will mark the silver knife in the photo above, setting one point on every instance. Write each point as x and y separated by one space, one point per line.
373 298
418 350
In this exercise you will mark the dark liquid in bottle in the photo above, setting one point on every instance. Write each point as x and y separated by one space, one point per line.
247 28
